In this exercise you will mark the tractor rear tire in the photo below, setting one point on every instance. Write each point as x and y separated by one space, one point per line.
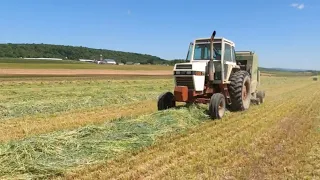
166 101
217 106
260 96
240 91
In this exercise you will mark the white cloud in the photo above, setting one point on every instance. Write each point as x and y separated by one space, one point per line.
301 6
298 6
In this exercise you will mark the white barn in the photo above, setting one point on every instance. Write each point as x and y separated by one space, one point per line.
59 59
86 60
110 61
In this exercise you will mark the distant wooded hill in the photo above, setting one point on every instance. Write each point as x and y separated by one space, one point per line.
75 53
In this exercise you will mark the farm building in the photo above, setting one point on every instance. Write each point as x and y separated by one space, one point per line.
110 61
86 60
59 59
107 61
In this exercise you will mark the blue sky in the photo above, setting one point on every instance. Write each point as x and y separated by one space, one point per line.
284 33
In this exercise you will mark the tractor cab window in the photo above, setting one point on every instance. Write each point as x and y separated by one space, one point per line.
189 52
228 53
233 54
202 52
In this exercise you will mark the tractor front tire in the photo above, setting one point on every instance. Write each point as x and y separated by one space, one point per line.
166 101
240 90
217 106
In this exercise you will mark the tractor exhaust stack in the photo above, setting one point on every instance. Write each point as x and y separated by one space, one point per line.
210 63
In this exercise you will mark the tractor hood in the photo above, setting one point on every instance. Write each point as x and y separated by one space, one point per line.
190 74
191 66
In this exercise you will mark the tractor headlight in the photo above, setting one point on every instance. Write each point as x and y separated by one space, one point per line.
188 73
198 73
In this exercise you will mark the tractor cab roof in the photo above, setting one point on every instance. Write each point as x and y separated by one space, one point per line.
216 40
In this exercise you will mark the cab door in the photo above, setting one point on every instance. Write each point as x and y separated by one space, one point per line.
190 54
229 61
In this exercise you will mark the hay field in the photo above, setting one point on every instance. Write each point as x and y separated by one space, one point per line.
108 128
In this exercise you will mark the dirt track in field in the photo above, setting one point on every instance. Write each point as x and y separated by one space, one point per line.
82 72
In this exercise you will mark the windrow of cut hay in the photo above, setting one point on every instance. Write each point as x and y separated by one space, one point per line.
18 128
50 154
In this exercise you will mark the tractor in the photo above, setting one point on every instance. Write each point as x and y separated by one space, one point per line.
215 74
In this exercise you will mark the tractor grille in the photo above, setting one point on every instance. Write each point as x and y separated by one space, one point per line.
217 76
185 81
184 66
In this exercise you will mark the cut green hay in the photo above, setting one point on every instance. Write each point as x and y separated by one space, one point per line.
51 154
225 148
42 98
20 98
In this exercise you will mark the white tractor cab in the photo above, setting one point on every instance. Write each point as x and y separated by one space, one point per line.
213 75
199 56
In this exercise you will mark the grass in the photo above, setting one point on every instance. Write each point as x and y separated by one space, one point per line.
25 98
30 106
23 122
20 128
50 154
259 143
267 142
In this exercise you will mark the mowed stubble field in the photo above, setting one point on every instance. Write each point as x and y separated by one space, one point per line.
106 127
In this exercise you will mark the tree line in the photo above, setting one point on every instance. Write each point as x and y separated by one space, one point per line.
75 53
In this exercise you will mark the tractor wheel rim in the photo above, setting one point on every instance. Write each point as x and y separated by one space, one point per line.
245 90
244 93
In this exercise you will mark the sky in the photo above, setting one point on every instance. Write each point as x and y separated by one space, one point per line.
284 33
